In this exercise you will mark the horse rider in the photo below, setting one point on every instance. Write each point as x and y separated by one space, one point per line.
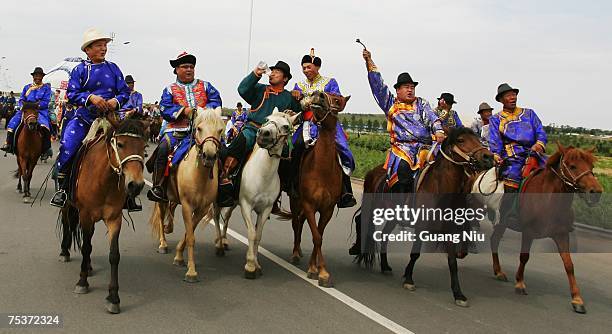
95 87
235 123
263 99
34 92
179 103
516 136
446 114
134 103
307 133
480 125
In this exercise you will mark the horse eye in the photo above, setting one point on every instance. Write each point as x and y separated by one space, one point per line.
120 145
460 140
572 167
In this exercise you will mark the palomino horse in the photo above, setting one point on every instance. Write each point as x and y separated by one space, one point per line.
320 183
259 188
110 170
194 186
568 171
28 147
460 156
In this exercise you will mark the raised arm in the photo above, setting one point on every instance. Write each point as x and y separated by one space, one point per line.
380 90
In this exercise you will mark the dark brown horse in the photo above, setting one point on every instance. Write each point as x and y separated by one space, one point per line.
568 171
110 170
461 155
154 128
320 183
28 147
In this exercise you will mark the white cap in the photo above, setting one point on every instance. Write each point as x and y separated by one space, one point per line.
92 35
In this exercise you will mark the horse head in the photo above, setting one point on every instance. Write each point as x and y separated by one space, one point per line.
208 127
463 145
30 115
575 168
323 105
273 134
126 154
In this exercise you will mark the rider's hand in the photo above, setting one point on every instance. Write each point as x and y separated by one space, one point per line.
113 104
537 148
99 102
440 136
296 94
259 71
367 55
498 159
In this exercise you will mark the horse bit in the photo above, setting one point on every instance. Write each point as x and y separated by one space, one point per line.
571 181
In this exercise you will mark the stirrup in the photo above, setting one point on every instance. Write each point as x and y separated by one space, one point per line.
59 199
131 205
152 195
346 201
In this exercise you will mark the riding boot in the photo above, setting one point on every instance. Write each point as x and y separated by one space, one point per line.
158 193
61 195
347 199
356 248
508 214
8 144
225 196
131 205
47 152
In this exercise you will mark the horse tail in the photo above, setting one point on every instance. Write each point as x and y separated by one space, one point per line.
156 221
68 227
284 215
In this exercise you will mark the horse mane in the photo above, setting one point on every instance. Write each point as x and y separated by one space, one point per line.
29 106
454 134
209 116
129 126
571 153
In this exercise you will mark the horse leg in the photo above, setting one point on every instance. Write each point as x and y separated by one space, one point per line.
87 227
220 251
309 215
191 220
163 211
325 279
112 300
261 221
384 264
250 268
66 237
178 257
460 299
19 187
415 253
562 241
169 228
225 226
526 241
498 233
297 223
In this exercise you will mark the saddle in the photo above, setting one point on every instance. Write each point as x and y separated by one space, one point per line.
78 159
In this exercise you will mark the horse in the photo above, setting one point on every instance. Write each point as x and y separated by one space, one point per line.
568 171
28 147
461 154
110 170
262 189
193 185
320 183
154 129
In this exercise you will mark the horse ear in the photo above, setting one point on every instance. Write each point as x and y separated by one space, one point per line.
275 110
560 147
293 119
346 98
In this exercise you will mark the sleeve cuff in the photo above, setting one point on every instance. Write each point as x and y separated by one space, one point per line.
87 100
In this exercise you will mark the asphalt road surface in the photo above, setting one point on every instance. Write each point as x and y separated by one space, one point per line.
154 298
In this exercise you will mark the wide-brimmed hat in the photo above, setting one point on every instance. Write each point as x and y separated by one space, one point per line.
404 78
38 70
281 65
448 98
129 79
311 58
92 35
503 88
484 107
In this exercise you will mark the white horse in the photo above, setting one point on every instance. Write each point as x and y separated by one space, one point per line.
193 185
488 189
259 188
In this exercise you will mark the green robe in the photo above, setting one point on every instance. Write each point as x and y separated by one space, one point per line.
253 93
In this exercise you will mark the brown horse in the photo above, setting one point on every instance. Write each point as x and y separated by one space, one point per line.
460 156
28 147
320 183
110 170
568 171
154 128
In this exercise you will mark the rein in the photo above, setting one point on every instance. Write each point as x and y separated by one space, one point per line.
113 145
200 148
571 181
468 157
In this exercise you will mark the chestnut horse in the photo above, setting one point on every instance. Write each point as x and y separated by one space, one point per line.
568 171
110 170
461 155
320 182
28 147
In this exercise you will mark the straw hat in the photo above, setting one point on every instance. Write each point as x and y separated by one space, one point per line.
92 35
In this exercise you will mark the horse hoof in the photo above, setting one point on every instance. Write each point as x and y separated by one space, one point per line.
386 270
579 308
220 252
113 308
226 246
295 260
312 275
191 279
64 258
27 200
250 274
521 291
409 287
501 277
259 272
81 290
179 263
326 283
162 250
462 303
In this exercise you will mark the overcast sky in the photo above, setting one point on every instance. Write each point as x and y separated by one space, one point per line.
557 52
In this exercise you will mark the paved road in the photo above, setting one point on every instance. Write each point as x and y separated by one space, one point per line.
155 299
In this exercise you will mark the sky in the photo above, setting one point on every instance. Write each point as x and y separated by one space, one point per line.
558 53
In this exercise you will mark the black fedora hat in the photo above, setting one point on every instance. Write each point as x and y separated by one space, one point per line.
503 88
129 79
448 98
404 78
281 65
38 70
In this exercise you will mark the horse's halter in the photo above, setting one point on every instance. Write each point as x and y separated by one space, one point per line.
134 157
572 180
335 106
280 135
200 148
468 157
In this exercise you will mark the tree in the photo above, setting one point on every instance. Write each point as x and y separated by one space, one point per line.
369 125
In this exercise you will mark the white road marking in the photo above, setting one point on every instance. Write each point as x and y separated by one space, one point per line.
340 296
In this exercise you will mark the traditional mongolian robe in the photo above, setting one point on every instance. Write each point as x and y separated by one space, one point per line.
449 119
134 102
33 93
235 124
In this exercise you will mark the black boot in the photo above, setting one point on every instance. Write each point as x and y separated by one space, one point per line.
157 193
356 248
347 199
61 196
47 152
131 205
8 145
225 195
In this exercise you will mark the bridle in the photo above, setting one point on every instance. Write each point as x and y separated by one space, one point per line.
469 159
280 136
330 110
121 162
200 149
572 180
